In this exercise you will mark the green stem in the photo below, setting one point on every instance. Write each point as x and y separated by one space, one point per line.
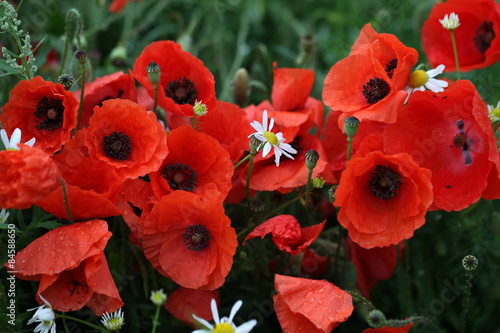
350 140
66 200
455 53
82 93
63 316
465 304
237 165
20 47
155 319
308 185
358 297
249 173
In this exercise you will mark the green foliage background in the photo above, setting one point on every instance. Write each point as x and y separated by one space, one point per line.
253 34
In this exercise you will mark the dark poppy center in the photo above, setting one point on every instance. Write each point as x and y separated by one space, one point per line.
484 36
196 237
49 113
182 91
384 182
461 141
117 145
78 287
375 90
390 67
180 177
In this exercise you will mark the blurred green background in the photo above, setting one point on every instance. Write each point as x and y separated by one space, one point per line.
253 34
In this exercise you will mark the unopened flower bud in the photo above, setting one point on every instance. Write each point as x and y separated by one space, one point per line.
241 88
66 80
118 56
153 70
331 193
312 158
81 56
376 319
470 263
351 125
318 182
254 143
200 109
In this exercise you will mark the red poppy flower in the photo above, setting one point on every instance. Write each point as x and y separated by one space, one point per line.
196 162
26 177
127 137
304 305
291 173
183 303
477 41
116 85
368 83
92 186
70 264
372 265
49 114
117 5
383 198
451 135
190 240
184 79
287 234
387 329
229 125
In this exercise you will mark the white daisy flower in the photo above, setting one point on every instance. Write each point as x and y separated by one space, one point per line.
270 139
45 316
15 138
224 324
420 80
450 22
113 321
158 297
4 215
494 112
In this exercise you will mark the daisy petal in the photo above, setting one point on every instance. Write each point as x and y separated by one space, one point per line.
235 309
266 149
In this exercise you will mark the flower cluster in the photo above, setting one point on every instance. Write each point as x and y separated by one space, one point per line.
189 179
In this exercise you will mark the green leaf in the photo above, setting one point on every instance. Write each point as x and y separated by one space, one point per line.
7 68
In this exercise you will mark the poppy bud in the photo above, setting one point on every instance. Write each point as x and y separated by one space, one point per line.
118 56
241 86
254 143
331 193
153 70
470 263
318 182
376 319
81 56
200 109
312 158
351 125
66 80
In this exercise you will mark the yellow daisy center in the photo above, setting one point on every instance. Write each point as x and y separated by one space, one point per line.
224 327
271 138
495 112
418 78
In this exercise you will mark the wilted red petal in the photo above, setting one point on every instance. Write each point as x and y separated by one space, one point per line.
317 305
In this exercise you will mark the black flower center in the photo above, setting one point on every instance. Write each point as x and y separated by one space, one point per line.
182 91
196 237
180 177
384 182
390 67
460 141
117 146
375 90
484 36
49 112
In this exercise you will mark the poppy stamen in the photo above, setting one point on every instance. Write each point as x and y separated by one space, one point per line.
484 36
180 177
196 237
390 67
49 112
375 90
460 140
117 146
182 91
384 182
